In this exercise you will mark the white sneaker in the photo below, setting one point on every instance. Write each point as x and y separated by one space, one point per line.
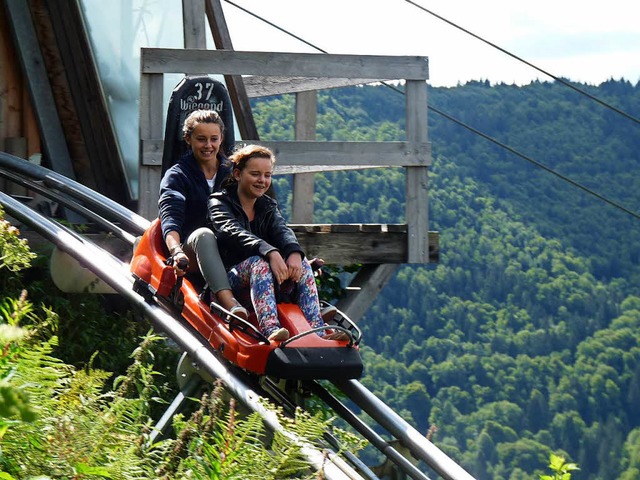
279 335
240 311
337 335
328 313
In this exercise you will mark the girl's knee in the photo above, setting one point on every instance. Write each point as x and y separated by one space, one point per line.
202 237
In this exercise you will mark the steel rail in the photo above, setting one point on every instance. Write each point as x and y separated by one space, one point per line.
72 204
51 179
416 442
366 431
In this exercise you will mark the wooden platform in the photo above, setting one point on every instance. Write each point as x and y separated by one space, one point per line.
365 243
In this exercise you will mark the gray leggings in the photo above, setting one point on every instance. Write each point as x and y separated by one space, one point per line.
202 247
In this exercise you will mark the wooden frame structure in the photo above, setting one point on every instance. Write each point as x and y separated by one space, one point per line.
414 154
379 248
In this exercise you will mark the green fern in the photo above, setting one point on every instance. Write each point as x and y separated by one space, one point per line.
75 430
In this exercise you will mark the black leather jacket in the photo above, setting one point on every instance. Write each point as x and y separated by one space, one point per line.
238 239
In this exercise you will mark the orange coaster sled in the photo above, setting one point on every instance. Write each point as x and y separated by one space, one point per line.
305 355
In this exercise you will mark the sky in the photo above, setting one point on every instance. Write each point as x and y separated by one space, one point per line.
580 40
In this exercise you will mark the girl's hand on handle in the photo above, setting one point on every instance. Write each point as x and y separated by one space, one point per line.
180 263
180 260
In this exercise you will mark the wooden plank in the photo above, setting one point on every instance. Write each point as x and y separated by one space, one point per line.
349 227
308 156
226 62
292 169
310 228
11 84
350 244
303 183
372 228
380 154
151 115
259 86
346 228
364 289
193 30
396 227
235 83
347 248
417 213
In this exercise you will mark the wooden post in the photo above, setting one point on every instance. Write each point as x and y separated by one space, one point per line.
151 134
416 181
194 25
235 83
303 183
364 288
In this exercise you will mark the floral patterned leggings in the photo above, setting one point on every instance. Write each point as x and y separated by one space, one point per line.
255 273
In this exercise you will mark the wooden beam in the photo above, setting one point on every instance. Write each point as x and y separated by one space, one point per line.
235 83
347 244
11 84
80 99
35 75
225 62
417 196
151 115
303 183
259 86
378 154
193 28
310 156
364 289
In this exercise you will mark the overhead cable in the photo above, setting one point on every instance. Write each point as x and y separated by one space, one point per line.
275 26
556 78
536 163
472 129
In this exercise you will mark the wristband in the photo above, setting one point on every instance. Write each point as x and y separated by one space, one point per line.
173 249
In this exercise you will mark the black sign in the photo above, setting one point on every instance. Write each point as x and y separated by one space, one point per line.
195 93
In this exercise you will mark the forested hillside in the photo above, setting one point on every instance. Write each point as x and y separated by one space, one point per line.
525 338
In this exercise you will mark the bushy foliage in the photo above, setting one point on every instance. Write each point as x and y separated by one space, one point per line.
14 251
561 469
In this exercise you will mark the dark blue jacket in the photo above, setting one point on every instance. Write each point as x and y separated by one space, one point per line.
184 191
238 239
